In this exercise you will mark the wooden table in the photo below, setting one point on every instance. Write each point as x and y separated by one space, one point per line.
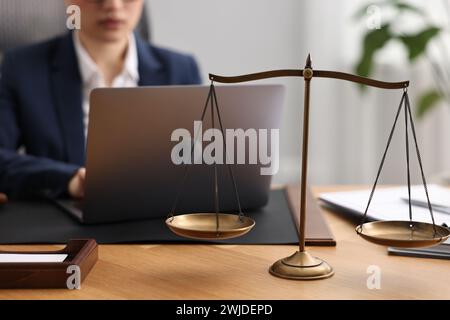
240 272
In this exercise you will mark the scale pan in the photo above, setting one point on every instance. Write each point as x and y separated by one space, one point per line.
202 226
403 234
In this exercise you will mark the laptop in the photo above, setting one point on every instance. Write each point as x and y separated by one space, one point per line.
130 168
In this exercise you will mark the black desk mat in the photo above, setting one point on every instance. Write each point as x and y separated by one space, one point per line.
42 223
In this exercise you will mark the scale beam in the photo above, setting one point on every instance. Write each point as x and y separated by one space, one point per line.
316 74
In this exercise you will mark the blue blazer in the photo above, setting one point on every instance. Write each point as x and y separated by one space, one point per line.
41 110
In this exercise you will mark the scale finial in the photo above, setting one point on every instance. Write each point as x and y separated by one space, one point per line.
308 61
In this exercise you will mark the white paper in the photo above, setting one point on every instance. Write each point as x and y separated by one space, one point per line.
388 203
439 197
24 258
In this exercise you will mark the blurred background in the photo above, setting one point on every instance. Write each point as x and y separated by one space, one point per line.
389 40
349 126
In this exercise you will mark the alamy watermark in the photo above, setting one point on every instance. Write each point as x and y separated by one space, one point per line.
73 21
373 17
236 141
73 281
374 279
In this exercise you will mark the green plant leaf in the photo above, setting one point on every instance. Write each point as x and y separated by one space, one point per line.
427 101
373 41
417 43
403 6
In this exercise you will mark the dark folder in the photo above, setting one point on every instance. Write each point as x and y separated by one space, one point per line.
41 222
438 252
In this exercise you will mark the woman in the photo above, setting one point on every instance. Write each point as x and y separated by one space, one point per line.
44 94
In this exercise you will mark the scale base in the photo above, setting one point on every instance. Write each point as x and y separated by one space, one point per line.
301 266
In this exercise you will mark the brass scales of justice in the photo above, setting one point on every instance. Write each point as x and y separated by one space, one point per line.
301 265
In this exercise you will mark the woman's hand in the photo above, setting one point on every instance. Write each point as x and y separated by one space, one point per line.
76 184
3 198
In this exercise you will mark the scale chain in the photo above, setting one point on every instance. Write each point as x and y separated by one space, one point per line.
419 159
216 185
186 166
230 169
210 101
408 171
382 162
408 115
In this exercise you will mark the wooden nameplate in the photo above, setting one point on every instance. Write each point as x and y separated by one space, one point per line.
81 255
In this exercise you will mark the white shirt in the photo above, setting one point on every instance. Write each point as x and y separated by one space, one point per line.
92 78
